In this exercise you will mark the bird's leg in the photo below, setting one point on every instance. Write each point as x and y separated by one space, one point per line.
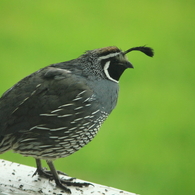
43 172
56 177
60 182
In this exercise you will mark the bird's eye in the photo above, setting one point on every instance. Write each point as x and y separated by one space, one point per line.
120 58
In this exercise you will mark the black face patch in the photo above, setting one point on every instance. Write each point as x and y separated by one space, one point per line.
114 67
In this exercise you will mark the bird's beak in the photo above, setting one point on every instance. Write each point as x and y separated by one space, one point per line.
128 65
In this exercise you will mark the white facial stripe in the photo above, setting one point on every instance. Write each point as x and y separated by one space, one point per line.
107 73
108 56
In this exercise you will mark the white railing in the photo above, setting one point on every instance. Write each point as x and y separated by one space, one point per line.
17 179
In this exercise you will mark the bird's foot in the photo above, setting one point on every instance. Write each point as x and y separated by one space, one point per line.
69 182
43 172
62 183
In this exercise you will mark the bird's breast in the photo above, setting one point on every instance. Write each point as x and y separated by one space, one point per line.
106 93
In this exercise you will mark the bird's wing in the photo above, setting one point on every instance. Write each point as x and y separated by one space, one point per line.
50 97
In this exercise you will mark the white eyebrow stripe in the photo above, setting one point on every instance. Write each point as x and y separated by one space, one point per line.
108 56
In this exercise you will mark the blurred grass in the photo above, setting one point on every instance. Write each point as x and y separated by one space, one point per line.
147 144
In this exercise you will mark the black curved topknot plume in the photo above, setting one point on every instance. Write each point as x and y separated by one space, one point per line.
147 50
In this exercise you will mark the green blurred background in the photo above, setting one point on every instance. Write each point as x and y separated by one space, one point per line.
147 144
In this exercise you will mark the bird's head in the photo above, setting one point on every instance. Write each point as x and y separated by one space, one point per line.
112 62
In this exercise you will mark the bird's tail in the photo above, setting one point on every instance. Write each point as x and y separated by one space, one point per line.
6 143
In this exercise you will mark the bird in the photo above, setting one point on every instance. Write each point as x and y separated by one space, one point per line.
55 111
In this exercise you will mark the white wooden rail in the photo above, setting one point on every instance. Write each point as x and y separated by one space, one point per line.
17 179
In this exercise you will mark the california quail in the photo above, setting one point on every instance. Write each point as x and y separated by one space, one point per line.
57 110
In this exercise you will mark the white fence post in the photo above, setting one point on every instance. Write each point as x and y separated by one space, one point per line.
17 179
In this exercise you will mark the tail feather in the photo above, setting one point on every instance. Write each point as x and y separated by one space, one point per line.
6 143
